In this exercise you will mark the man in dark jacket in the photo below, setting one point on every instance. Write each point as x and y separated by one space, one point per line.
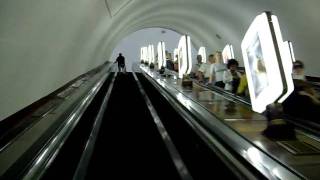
121 63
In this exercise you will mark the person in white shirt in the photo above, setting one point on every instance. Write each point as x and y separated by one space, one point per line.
218 70
205 70
298 70
195 68
231 77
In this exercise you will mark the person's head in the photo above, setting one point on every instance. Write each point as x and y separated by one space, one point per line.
211 59
120 54
199 59
232 64
218 57
298 67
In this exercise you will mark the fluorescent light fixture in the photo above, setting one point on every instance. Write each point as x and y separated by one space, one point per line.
227 53
262 59
161 55
184 56
202 52
175 55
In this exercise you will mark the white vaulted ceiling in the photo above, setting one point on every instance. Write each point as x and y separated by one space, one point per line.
46 43
115 6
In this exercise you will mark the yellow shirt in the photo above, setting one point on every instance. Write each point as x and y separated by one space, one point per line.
243 84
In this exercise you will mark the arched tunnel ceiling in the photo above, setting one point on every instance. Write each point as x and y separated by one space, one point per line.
44 43
204 19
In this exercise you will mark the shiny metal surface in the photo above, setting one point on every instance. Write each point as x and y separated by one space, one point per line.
230 161
178 162
81 170
51 149
241 128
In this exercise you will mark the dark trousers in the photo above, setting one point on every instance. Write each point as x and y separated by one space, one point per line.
219 84
121 68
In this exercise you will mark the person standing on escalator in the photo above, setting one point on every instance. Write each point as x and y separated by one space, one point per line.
231 77
121 63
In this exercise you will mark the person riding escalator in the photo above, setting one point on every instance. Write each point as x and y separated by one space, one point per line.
231 77
303 103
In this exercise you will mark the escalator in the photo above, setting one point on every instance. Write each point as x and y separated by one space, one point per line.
198 157
129 143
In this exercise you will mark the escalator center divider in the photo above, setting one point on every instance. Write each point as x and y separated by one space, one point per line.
65 164
197 155
175 156
128 144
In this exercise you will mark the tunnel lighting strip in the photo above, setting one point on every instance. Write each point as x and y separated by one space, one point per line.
258 43
202 52
184 56
227 53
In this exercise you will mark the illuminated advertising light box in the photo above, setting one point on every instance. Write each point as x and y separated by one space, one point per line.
144 54
288 47
202 52
145 50
161 55
184 56
227 53
289 54
175 55
164 55
141 54
151 54
264 58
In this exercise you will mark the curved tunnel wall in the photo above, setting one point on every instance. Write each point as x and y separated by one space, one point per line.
45 43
